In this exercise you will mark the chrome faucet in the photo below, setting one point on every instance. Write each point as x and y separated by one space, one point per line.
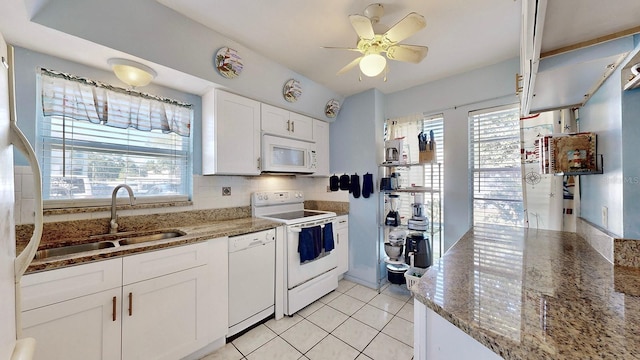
114 218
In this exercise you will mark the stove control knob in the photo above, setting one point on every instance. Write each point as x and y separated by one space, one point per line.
266 197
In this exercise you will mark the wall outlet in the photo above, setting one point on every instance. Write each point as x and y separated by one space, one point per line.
226 191
605 217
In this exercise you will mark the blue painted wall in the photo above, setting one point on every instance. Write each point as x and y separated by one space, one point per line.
356 147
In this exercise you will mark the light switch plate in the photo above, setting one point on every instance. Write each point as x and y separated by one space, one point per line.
605 217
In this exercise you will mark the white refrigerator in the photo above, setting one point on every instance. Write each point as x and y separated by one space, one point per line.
12 266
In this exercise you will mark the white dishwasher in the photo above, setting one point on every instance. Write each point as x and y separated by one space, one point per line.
252 266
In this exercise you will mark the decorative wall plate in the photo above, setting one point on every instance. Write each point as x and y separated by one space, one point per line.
292 90
228 62
332 108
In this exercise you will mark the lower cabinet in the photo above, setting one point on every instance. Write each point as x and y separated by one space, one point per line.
342 243
164 307
165 317
83 328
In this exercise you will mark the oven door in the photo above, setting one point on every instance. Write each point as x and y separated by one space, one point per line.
298 273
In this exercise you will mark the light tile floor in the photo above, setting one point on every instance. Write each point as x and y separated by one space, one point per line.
352 322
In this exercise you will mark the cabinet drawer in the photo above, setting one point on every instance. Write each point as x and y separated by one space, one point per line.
162 262
58 285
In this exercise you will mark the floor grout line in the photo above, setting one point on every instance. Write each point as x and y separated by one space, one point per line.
378 332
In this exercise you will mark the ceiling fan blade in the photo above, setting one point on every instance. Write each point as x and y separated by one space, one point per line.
409 53
349 66
406 27
341 48
362 25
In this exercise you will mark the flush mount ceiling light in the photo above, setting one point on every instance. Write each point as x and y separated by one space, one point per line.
132 73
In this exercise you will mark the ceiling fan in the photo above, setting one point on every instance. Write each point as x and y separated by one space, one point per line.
372 45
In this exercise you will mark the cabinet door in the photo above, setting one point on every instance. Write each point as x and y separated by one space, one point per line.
342 243
275 120
82 328
230 134
301 127
321 137
167 317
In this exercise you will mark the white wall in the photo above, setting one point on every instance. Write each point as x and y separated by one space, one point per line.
455 97
207 194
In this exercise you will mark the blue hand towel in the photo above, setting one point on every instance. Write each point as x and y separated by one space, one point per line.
309 243
328 237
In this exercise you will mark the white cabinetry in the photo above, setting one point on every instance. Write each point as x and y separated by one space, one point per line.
74 313
282 122
342 243
167 308
230 134
166 302
321 137
437 339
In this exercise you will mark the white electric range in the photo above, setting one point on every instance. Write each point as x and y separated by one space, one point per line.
309 280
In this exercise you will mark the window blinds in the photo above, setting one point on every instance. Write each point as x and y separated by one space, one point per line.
495 166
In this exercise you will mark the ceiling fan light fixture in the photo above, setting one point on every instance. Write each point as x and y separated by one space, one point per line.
373 64
132 73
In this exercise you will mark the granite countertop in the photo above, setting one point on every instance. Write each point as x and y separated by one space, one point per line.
192 234
536 294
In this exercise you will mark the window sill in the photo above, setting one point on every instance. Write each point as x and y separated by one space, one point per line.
92 209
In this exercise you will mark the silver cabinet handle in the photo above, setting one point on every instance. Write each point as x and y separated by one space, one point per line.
293 129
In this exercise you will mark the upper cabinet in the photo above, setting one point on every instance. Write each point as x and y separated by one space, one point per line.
321 137
230 134
282 122
562 66
533 12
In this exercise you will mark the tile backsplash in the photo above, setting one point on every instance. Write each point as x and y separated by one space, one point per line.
207 194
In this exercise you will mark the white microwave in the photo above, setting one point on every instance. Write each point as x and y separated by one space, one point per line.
285 155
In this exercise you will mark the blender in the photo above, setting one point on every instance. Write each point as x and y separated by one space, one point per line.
393 217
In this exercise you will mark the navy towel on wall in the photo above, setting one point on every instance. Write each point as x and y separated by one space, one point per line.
327 233
367 185
355 186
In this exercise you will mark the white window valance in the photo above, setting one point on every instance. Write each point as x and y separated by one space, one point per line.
84 99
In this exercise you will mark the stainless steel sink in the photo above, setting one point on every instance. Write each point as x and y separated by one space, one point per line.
128 239
73 249
146 238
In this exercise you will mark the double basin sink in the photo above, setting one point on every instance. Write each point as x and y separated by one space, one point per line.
122 239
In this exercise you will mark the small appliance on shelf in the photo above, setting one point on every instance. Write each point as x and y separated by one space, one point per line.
395 152
419 220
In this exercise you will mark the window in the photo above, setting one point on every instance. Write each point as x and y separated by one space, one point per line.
495 166
93 137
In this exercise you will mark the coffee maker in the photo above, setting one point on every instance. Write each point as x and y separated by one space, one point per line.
417 250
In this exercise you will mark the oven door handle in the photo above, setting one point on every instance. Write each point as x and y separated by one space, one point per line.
299 229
